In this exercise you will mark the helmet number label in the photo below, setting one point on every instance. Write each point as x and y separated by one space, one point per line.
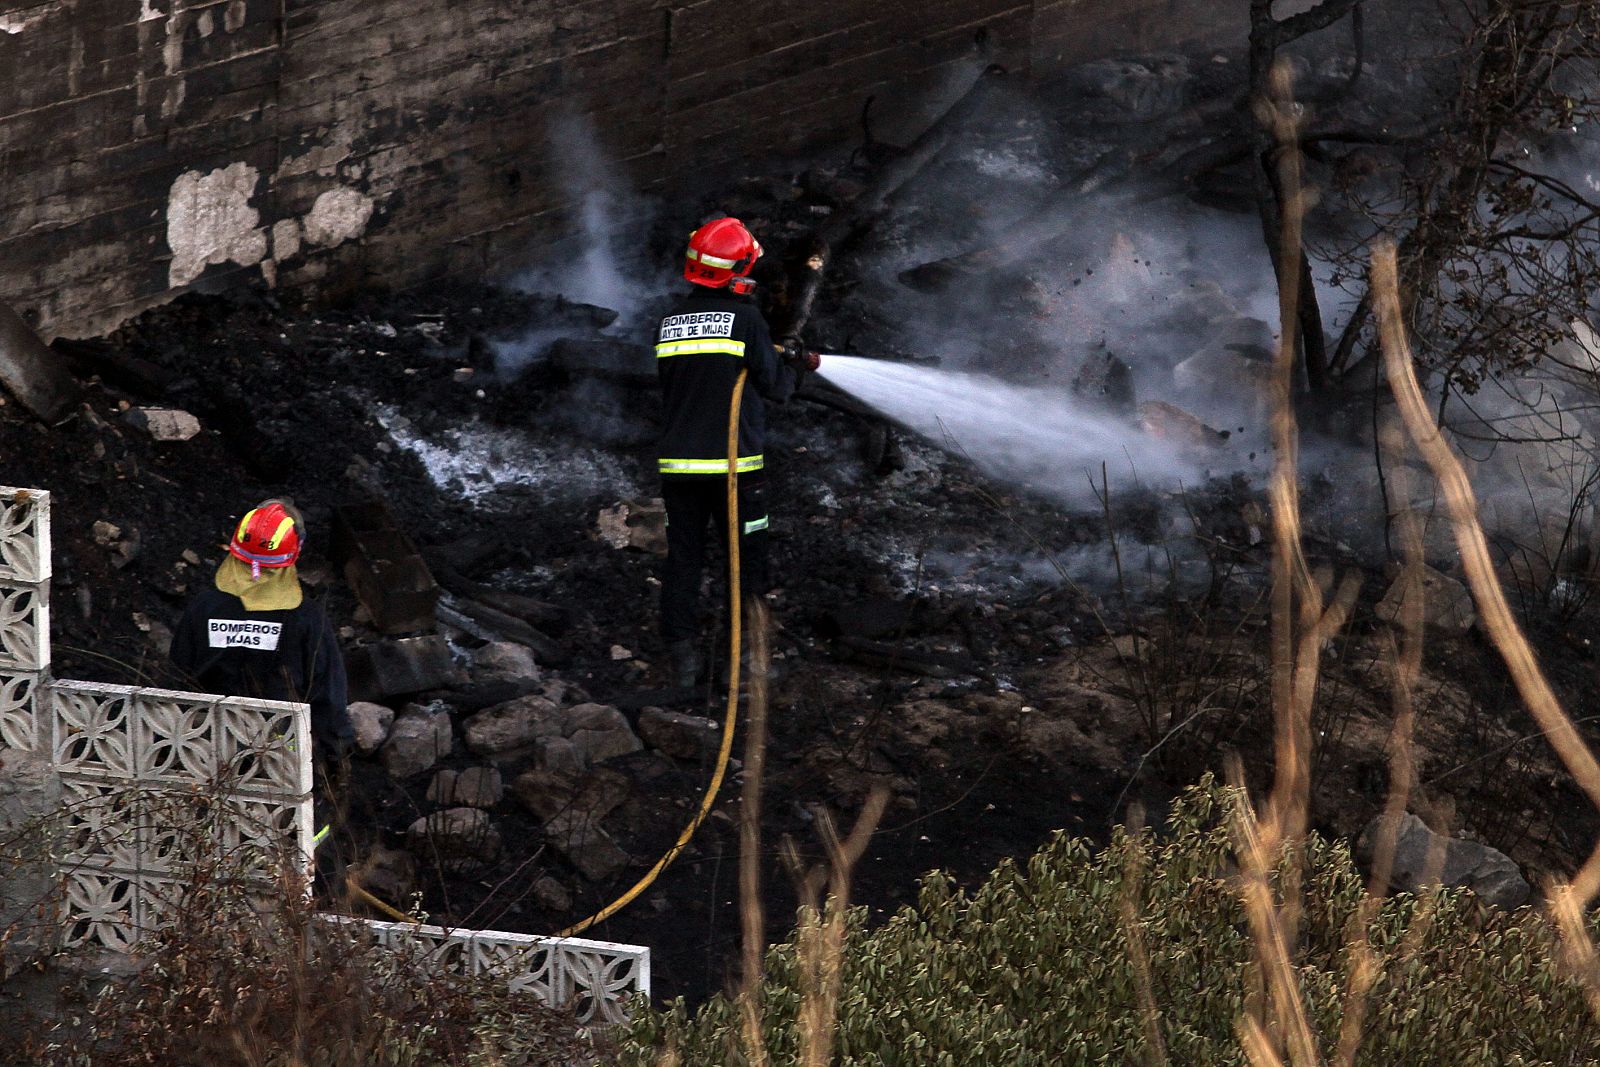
243 633
698 324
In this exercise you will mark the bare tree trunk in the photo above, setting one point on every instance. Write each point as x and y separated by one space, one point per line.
1267 35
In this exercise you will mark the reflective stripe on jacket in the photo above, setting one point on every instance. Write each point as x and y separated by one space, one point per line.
701 347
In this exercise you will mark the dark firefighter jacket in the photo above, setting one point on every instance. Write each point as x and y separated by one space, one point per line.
701 347
272 655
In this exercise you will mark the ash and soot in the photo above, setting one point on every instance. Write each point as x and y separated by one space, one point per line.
1206 416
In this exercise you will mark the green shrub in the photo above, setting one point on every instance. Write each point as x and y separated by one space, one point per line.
1034 969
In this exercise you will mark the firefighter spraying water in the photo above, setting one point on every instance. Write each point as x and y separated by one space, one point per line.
713 338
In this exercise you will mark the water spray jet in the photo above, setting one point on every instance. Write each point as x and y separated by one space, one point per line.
1043 438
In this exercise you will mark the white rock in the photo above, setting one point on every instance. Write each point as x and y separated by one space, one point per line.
460 837
506 658
475 787
420 738
512 725
165 424
371 723
1447 604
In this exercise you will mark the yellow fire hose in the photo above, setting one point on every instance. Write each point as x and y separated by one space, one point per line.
735 649
730 720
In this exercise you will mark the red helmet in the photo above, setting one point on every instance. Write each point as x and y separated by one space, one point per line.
721 252
266 537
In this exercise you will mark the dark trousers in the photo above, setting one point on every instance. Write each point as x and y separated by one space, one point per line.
694 502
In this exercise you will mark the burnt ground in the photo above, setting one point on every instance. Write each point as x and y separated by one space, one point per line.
1054 689
1024 679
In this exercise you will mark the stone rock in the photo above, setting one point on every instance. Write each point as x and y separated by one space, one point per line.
1489 873
637 524
164 424
678 734
1447 604
552 794
475 787
558 755
460 838
1107 382
512 725
396 668
506 659
551 894
1168 422
597 746
599 732
586 846
420 738
561 691
599 717
371 723
1233 366
390 874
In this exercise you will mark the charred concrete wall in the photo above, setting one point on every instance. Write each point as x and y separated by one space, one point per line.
147 146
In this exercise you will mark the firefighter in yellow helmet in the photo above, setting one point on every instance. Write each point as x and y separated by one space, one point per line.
254 633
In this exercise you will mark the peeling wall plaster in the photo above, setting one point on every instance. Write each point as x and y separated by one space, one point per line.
337 216
285 239
210 220
15 24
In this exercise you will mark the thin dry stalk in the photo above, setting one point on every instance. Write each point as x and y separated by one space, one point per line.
1405 658
1258 863
822 931
1257 1045
1291 576
1578 953
1493 608
752 917
1302 622
1132 875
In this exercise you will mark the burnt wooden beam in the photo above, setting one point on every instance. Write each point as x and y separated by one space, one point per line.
540 614
489 623
32 373
905 658
116 368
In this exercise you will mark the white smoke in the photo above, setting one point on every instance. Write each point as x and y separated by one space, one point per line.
603 260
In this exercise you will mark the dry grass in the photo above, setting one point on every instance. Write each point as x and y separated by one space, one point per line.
1275 1029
